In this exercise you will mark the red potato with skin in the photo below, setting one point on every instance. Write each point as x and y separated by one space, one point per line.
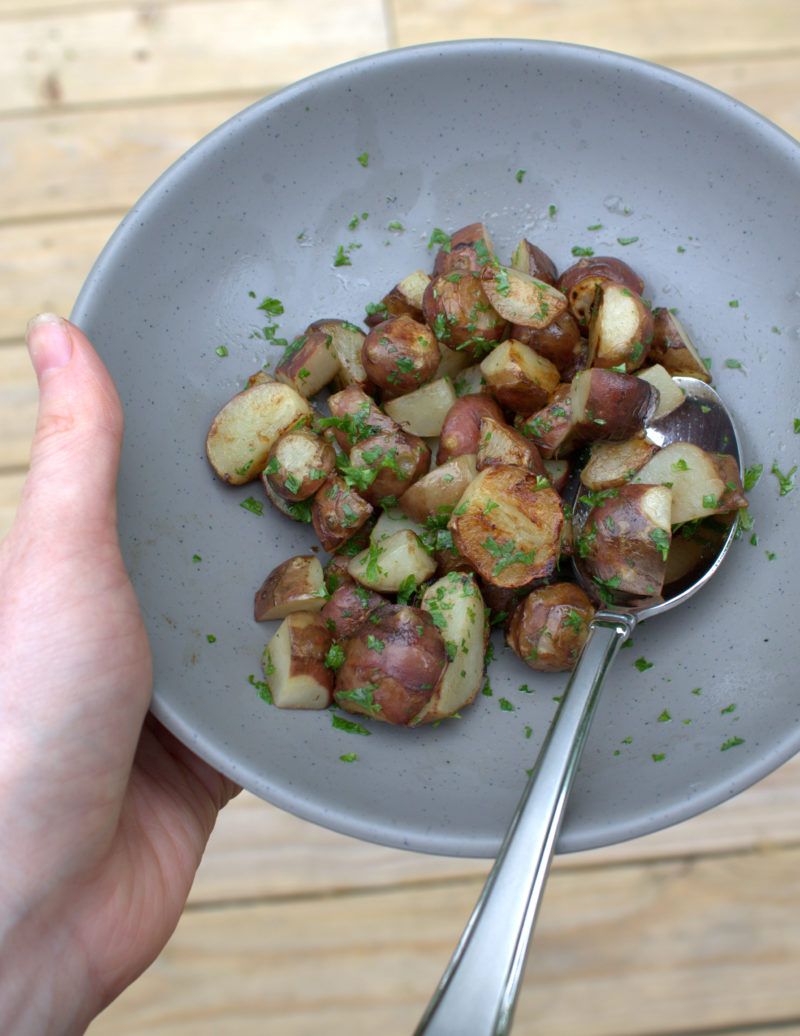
548 628
355 416
509 525
611 464
400 355
297 584
560 341
466 249
309 363
404 299
338 512
610 405
520 298
625 539
702 483
519 378
674 349
436 493
388 464
499 443
392 664
581 281
294 663
462 426
458 312
531 259
620 329
553 428
243 432
299 461
348 606
346 343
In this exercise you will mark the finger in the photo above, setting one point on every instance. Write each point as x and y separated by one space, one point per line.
76 445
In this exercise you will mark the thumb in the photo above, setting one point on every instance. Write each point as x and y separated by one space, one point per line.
71 487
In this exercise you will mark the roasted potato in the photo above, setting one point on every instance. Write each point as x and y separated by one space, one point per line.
435 494
529 258
297 584
244 430
337 512
355 416
670 394
610 405
386 464
465 249
611 464
673 348
580 282
400 355
509 524
458 312
346 341
702 483
548 627
625 539
462 425
309 363
519 378
560 342
423 411
294 663
392 665
298 463
455 604
520 298
620 329
386 564
404 299
348 606
553 428
499 443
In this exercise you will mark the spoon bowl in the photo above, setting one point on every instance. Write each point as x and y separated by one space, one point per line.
479 988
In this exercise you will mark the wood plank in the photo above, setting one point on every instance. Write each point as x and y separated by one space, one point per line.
43 265
112 53
18 402
68 163
78 161
661 32
257 850
668 948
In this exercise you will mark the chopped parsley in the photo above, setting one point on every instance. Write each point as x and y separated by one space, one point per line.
363 159
252 505
348 726
784 481
642 664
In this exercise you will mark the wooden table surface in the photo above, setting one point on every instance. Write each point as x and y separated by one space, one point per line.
292 929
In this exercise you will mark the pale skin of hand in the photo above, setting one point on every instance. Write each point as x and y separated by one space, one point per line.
103 815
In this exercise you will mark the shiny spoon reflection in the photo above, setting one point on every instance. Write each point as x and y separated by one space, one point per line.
478 991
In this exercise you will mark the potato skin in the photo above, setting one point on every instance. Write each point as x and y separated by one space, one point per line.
298 463
400 355
338 512
296 584
548 628
467 249
348 606
580 282
462 425
560 342
392 663
397 460
459 314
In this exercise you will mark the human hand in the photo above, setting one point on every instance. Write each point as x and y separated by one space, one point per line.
104 816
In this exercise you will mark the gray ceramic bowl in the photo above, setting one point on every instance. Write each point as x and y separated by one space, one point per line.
703 192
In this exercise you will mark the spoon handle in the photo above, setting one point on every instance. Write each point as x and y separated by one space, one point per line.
478 990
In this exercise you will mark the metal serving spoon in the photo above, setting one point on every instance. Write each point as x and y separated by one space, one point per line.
478 991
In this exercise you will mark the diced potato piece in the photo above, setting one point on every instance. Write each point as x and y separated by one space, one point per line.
346 340
338 512
462 425
499 443
242 433
673 348
405 298
549 626
518 377
308 363
509 525
614 463
610 405
437 493
620 329
520 298
455 604
294 663
297 584
384 566
625 539
670 394
702 483
390 521
423 411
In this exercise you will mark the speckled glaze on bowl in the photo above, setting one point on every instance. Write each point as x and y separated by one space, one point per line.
703 192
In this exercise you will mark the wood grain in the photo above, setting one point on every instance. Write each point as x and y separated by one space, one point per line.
291 929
